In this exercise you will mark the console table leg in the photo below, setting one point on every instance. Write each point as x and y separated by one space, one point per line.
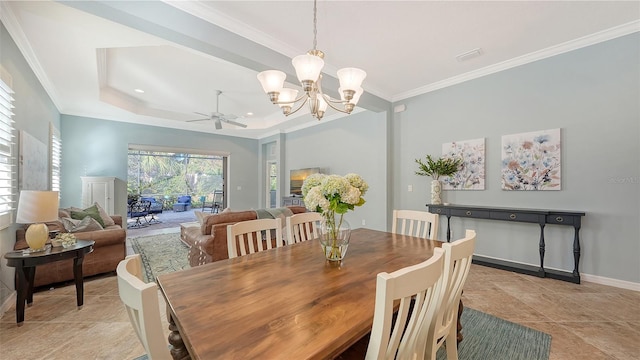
30 276
542 245
77 274
178 350
21 293
576 252
448 228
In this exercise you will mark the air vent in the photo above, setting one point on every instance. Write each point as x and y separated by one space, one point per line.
469 54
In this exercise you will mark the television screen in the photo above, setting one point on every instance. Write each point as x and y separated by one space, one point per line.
297 178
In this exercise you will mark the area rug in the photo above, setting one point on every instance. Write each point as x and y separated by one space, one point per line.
489 337
161 254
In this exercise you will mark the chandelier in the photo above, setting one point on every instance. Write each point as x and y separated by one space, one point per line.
308 68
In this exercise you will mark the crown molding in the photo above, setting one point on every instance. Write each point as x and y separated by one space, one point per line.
11 23
605 35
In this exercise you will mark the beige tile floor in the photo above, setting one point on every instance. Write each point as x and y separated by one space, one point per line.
587 321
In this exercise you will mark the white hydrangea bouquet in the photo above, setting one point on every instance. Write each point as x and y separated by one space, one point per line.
334 195
64 240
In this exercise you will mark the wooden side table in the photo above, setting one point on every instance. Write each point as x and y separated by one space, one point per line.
26 262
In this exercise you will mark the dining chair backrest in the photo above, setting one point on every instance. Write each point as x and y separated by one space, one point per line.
457 262
141 302
248 237
415 223
303 226
419 289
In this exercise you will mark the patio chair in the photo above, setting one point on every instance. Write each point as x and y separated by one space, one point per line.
138 210
217 201
183 203
155 207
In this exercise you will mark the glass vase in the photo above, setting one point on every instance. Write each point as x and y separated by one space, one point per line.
334 236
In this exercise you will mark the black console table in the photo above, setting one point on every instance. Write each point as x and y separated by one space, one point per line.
540 217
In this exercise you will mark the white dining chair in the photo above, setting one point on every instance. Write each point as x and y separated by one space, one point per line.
141 302
457 262
415 223
248 237
419 289
302 227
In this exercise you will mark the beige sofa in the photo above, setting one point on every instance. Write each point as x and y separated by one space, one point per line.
109 249
208 241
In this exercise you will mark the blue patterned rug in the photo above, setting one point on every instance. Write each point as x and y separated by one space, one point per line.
488 337
161 254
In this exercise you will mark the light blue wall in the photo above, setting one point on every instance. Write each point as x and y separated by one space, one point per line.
94 147
34 111
353 144
593 95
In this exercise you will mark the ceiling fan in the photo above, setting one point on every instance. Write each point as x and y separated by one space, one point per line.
219 117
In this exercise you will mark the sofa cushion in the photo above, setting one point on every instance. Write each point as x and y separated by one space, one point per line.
91 211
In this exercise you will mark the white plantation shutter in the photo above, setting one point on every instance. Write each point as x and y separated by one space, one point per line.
56 158
7 166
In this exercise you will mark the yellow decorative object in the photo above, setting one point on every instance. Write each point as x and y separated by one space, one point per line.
36 236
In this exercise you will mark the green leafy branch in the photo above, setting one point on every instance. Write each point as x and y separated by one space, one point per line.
440 167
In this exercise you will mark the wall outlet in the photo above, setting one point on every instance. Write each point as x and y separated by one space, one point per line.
410 188
364 222
239 187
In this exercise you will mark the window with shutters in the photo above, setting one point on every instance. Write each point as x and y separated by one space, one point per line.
55 142
7 161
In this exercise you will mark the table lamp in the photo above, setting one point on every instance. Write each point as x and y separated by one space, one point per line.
36 208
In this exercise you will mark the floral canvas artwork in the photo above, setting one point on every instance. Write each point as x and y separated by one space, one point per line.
531 161
471 174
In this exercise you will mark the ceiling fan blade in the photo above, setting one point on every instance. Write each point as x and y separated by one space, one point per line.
235 123
199 113
218 124
198 119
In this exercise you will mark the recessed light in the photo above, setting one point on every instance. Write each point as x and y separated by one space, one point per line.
139 91
249 114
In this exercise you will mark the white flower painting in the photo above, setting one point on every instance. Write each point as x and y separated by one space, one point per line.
471 174
531 161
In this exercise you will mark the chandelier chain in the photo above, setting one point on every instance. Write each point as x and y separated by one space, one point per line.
315 25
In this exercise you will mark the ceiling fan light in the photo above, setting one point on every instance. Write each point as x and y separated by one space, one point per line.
351 78
308 67
272 80
287 97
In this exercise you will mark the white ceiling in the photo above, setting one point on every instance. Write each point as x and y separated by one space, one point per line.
90 56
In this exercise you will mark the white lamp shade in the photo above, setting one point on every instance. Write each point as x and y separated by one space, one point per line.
356 96
287 97
272 80
308 67
351 78
37 206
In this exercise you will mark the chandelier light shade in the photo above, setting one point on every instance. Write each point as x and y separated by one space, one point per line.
309 72
36 208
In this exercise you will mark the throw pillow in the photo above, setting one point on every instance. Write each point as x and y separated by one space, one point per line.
69 223
106 219
91 211
86 224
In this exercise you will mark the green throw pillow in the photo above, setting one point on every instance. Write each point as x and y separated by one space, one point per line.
91 211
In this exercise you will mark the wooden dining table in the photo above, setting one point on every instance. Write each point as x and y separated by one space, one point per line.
283 303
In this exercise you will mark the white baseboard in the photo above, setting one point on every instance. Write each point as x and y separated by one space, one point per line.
11 300
611 282
623 284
